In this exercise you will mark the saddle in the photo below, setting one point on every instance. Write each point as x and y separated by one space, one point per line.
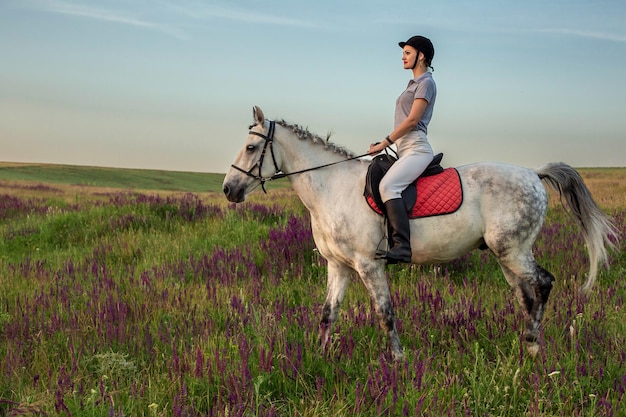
440 189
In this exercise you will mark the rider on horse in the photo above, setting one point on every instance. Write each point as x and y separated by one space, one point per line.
414 109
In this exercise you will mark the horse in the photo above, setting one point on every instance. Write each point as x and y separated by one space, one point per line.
503 210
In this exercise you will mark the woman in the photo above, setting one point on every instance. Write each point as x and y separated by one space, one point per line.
414 109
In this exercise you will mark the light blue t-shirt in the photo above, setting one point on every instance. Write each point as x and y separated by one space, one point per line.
420 87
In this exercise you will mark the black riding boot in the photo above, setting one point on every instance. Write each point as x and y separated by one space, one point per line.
398 220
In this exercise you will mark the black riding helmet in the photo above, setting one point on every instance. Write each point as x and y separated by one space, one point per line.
423 45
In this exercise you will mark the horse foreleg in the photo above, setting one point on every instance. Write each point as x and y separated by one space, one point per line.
337 282
378 288
388 323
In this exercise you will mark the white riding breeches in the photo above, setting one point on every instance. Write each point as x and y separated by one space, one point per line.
414 155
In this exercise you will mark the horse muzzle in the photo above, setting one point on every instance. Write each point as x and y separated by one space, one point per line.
233 193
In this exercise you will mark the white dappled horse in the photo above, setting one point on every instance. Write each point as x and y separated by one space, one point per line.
503 209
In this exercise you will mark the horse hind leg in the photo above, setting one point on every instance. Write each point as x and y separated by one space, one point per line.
532 286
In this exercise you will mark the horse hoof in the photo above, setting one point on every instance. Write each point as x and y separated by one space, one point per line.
398 356
533 349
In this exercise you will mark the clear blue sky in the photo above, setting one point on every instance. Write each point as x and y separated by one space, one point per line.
170 84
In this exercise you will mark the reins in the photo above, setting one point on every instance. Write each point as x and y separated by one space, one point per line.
269 142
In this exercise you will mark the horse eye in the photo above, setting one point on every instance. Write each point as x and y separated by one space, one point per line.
250 148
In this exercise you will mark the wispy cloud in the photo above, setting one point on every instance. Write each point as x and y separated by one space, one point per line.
518 24
584 34
211 10
165 9
115 16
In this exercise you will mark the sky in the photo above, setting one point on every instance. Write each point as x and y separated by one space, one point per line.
170 84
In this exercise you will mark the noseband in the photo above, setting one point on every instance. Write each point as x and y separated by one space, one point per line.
269 143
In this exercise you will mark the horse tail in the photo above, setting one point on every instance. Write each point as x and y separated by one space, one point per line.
598 228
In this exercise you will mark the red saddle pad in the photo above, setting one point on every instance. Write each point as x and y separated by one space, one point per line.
436 195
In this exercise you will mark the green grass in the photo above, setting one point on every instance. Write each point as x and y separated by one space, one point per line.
131 304
143 179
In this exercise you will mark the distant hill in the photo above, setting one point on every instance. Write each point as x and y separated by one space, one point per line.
140 179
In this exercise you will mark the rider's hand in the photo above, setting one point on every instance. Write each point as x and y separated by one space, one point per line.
376 148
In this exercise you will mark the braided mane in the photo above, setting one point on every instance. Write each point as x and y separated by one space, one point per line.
304 134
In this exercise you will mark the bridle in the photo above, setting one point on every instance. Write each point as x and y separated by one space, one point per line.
269 143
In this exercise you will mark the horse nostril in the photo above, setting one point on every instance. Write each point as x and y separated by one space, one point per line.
226 189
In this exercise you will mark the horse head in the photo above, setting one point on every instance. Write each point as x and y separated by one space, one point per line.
255 163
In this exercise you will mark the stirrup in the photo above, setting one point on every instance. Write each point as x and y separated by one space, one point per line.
380 254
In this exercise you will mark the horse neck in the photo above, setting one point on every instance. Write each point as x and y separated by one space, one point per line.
302 154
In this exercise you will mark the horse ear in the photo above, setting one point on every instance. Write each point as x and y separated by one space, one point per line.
259 117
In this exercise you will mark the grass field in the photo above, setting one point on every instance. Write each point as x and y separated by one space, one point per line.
158 298
111 177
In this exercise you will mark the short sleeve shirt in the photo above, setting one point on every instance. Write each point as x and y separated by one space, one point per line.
420 87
